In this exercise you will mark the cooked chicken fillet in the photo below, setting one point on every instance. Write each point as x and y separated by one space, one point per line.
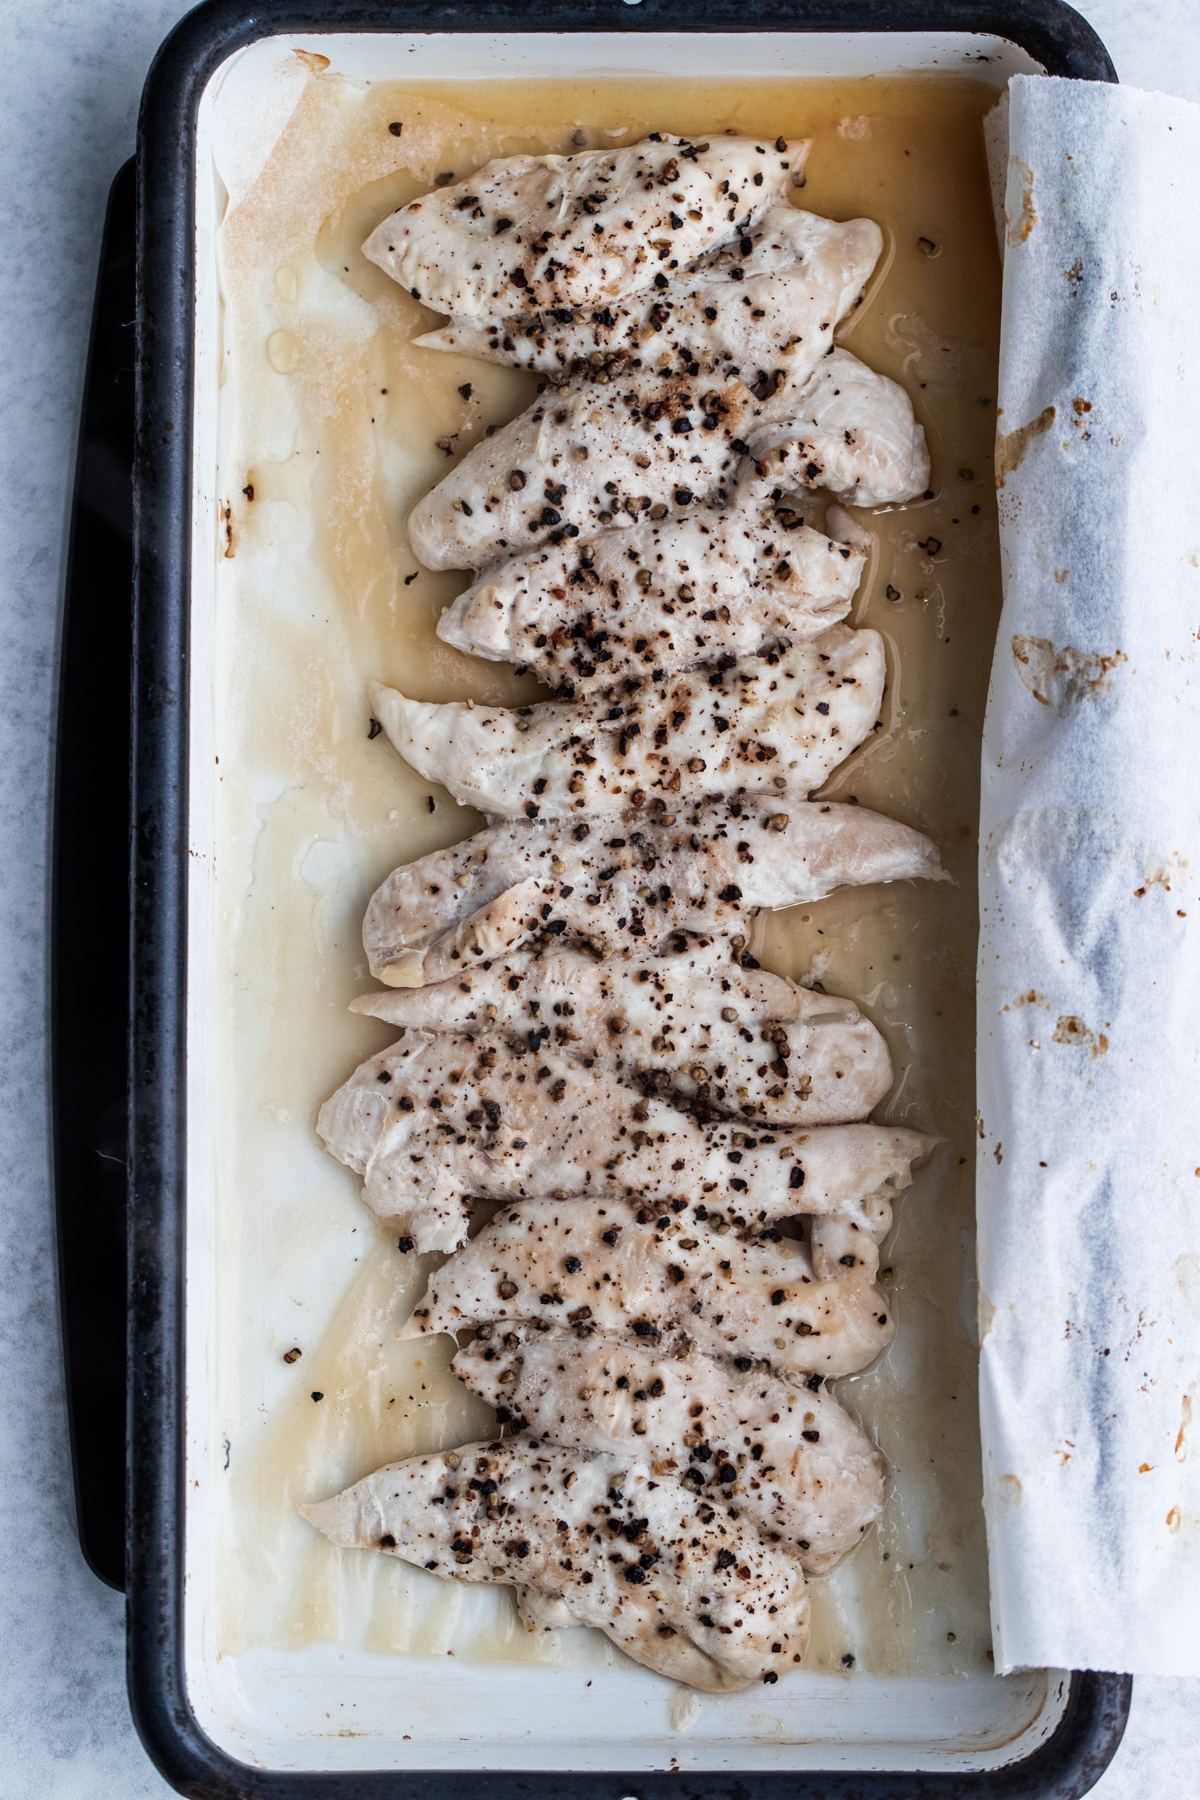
540 1612
585 456
794 714
685 1586
696 1023
849 431
577 457
790 1459
441 1116
850 1240
530 232
772 298
608 1265
626 885
664 594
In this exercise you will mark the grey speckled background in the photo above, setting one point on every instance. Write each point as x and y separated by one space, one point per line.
75 70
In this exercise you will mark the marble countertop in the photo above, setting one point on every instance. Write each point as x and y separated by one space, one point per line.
75 71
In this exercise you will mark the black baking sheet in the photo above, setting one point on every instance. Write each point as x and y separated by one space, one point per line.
1073 1758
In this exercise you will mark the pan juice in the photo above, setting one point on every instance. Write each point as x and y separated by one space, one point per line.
337 426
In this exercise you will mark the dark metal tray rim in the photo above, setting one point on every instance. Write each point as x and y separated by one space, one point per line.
1069 1762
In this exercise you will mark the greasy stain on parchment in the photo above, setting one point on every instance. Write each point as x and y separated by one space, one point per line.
1012 445
1059 677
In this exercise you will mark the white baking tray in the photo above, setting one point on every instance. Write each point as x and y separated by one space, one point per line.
326 1707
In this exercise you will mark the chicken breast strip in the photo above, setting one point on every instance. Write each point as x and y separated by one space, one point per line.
683 1585
564 231
569 464
658 594
738 1040
627 885
771 299
442 1116
794 714
849 431
581 454
611 1266
789 1459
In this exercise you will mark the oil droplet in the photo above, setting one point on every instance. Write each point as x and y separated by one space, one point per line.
287 282
283 352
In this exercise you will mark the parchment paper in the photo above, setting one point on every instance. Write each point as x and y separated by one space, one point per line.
1089 971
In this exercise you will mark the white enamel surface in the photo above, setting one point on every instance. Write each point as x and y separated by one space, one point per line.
390 1712
330 1706
432 57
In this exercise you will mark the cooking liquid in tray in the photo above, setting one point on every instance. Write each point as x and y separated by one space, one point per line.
336 433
